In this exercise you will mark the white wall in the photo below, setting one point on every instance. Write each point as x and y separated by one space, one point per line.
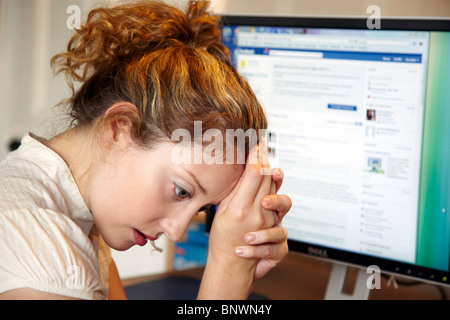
399 8
32 31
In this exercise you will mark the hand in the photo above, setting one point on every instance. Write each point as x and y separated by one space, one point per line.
269 245
241 211
249 209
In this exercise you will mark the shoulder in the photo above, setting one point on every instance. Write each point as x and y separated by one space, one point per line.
46 251
44 227
35 177
23 178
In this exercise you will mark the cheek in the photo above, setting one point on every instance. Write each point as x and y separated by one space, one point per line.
124 210
124 199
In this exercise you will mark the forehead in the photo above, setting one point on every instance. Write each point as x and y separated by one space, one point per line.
218 180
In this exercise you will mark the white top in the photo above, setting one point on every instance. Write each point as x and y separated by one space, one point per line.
47 239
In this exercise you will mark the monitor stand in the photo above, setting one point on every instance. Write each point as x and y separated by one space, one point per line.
337 280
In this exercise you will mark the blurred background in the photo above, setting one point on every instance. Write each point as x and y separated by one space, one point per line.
32 31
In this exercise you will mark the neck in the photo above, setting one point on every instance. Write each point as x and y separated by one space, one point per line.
74 147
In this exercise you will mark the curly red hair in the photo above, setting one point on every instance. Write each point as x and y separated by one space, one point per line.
171 65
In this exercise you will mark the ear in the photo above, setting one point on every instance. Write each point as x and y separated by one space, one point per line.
117 124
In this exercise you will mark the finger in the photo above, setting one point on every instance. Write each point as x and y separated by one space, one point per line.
250 181
278 203
266 184
275 234
263 157
277 177
273 187
264 251
265 265
269 256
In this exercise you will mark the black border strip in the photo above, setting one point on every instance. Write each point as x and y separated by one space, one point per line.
337 23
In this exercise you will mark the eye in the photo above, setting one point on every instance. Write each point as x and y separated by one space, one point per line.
181 193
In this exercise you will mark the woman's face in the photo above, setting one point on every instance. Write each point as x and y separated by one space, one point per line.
141 194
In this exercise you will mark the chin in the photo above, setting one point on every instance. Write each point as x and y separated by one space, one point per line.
118 246
121 248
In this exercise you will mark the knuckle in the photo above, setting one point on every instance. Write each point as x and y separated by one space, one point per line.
281 236
289 201
269 251
258 221
265 219
240 215
239 211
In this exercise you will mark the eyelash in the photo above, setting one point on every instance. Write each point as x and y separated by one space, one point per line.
179 189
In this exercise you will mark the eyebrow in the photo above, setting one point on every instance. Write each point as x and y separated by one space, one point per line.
196 181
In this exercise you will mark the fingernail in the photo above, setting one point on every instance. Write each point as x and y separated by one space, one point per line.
267 201
280 173
239 251
250 237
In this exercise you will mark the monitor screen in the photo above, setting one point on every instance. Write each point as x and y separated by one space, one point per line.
358 121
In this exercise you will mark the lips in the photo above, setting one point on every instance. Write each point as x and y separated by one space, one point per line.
141 238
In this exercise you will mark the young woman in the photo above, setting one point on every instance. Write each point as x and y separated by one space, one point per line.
145 70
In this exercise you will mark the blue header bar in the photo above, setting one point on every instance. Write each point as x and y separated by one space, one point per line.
346 55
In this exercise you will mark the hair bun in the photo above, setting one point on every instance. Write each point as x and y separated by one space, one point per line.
121 34
203 26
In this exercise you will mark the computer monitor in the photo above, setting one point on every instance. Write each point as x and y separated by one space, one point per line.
359 121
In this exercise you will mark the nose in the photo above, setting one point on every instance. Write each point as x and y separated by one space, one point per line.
176 227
